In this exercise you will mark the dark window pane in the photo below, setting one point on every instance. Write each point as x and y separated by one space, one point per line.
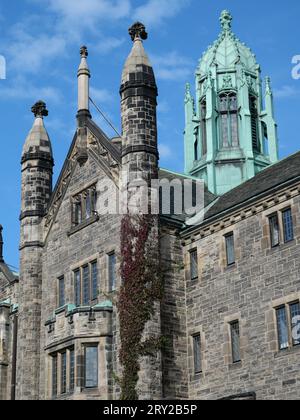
94 269
197 353
88 206
112 272
230 249
288 225
91 367
282 326
77 286
54 376
274 231
295 320
234 131
194 264
86 285
78 212
63 373
235 342
61 292
72 370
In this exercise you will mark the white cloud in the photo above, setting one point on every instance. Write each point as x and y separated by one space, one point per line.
286 92
153 12
107 45
172 66
101 95
22 89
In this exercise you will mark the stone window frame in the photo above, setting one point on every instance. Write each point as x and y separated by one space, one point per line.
191 361
194 250
279 212
80 198
58 292
78 344
79 268
285 302
228 353
230 234
85 346
57 355
108 259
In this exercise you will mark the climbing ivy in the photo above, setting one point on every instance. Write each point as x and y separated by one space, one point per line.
141 288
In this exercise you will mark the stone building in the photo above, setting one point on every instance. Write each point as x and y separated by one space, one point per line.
231 305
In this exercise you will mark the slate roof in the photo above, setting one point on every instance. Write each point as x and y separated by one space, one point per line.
287 171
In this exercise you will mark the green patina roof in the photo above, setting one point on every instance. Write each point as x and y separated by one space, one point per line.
106 304
227 50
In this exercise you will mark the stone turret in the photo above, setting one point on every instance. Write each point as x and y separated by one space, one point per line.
140 163
37 169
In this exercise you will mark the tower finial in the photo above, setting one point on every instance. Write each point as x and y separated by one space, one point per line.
138 31
84 51
39 109
226 20
1 245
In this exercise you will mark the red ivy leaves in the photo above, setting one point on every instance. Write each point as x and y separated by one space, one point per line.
141 288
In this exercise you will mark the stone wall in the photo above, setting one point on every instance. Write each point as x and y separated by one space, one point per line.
249 291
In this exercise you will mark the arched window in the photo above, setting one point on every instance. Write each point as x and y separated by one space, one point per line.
203 110
266 139
229 120
254 123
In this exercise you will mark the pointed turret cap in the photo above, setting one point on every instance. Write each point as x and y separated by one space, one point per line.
138 61
38 142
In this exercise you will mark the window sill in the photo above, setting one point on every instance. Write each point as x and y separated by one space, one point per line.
235 366
287 352
230 267
281 247
83 225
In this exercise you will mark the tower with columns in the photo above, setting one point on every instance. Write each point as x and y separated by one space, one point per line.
230 129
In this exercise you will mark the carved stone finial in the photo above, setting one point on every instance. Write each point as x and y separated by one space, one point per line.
138 30
226 20
84 52
39 109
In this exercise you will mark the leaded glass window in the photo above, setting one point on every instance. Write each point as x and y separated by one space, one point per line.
197 354
295 321
282 327
86 285
91 367
84 206
194 264
54 376
63 386
77 287
230 251
72 369
274 231
235 341
112 271
288 229
61 292
94 274
229 120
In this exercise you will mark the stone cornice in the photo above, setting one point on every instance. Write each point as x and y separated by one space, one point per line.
232 217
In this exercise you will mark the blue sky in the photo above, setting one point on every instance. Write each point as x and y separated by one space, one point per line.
40 41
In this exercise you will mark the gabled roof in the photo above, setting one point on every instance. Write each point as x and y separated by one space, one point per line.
287 171
9 276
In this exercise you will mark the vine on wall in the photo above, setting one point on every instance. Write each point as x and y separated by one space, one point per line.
141 288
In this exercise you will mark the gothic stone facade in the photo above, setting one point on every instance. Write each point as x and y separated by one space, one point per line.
232 289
